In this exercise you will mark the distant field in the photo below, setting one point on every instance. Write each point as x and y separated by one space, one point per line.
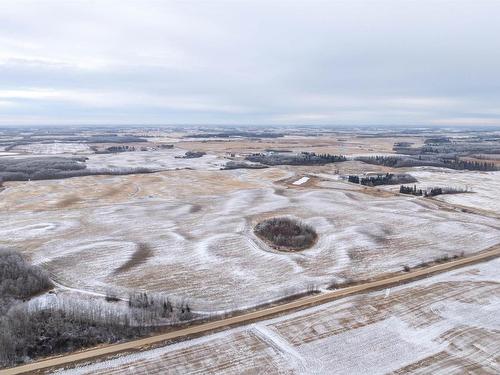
444 324
319 144
52 148
158 160
484 186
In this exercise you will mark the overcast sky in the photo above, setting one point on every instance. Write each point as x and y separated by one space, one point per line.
250 62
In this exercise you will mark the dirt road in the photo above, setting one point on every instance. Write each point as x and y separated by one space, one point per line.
88 355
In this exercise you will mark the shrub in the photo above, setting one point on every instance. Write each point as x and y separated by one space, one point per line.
26 334
18 279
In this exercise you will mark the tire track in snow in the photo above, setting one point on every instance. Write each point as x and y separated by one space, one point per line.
276 341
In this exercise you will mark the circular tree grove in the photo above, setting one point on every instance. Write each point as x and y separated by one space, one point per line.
286 234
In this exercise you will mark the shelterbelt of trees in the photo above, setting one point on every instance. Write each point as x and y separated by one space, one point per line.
430 161
382 179
431 192
32 327
302 158
54 167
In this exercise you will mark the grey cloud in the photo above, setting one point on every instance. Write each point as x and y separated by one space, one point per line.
356 62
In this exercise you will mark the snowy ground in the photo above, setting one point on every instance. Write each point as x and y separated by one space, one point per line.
196 222
484 185
168 159
444 324
53 148
198 225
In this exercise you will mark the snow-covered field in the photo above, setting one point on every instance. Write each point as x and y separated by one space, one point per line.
187 232
53 148
157 160
198 225
445 324
484 185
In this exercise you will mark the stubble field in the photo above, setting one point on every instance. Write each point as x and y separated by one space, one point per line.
189 234
444 324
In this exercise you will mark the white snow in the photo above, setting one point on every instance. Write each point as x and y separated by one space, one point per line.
301 181
484 186
53 148
308 341
168 159
377 348
215 248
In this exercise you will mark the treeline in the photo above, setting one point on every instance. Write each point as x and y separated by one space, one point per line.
18 279
53 167
38 328
30 332
192 155
440 147
387 161
149 309
431 192
412 190
469 165
303 158
242 165
115 149
420 161
30 328
239 134
437 140
126 148
402 144
112 138
382 179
